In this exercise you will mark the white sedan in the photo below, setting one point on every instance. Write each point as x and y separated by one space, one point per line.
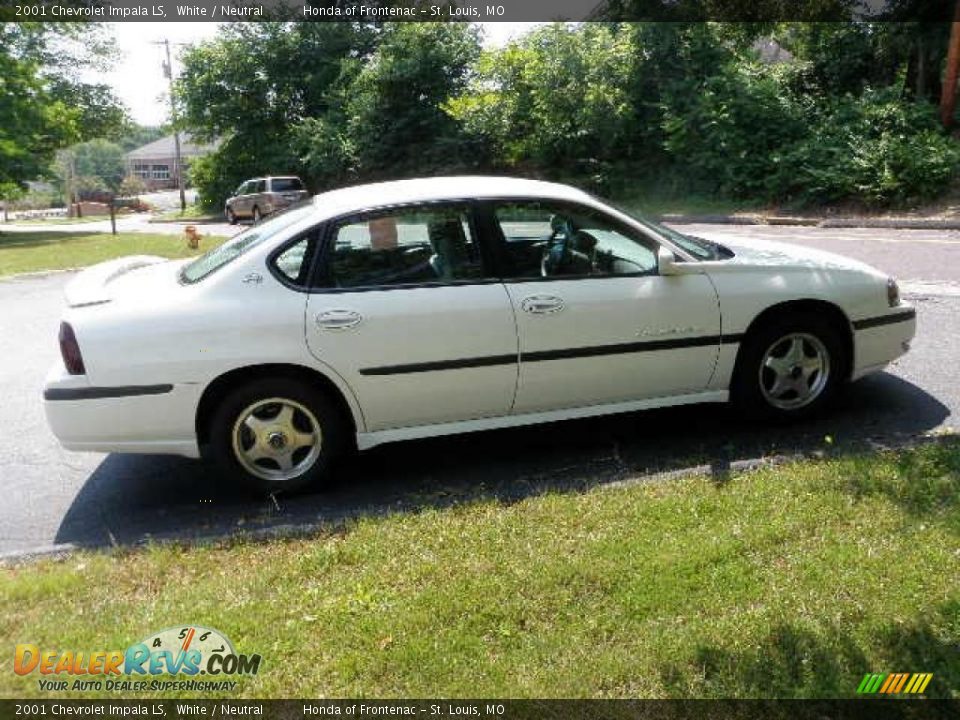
426 307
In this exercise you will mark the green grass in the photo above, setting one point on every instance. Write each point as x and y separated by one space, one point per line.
60 221
192 212
654 204
785 582
34 251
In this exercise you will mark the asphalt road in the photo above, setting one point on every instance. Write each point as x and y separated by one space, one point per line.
51 496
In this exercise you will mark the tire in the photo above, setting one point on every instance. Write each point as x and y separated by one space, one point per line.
231 217
260 434
790 368
256 215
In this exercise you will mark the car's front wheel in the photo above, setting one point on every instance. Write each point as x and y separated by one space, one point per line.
277 435
231 216
790 368
256 214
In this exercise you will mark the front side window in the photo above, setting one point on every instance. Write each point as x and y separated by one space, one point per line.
234 248
544 239
421 245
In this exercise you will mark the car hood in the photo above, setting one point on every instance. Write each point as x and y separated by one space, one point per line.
767 253
142 276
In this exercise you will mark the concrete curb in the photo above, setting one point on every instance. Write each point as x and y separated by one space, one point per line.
849 222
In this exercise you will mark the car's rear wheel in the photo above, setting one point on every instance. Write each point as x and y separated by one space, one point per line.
790 368
231 216
256 214
277 435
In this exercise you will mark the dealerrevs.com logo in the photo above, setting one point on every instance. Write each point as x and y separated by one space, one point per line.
189 651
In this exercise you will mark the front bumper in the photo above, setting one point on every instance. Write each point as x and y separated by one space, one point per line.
878 341
152 419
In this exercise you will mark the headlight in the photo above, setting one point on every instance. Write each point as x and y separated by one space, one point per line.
893 292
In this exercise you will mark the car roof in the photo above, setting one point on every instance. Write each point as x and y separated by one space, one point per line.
399 192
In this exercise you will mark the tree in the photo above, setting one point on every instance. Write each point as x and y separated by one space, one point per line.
397 122
100 159
558 97
43 106
258 88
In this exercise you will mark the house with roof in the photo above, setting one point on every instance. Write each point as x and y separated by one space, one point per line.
155 163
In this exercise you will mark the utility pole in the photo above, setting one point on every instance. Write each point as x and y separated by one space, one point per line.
948 96
178 163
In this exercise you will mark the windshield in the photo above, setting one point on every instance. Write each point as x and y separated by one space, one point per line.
698 247
232 249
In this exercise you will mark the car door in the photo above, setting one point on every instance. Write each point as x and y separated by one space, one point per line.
408 313
241 205
597 324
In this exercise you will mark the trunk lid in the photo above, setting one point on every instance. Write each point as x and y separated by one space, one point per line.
142 275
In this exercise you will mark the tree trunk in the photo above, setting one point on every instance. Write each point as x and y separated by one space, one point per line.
948 97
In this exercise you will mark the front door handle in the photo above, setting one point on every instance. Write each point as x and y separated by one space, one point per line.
339 319
542 304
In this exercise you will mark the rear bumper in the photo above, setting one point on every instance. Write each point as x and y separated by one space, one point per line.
156 419
880 340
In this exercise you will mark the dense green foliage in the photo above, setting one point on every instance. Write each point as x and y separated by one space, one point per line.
834 112
43 104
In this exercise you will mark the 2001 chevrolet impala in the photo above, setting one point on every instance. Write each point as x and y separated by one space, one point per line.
425 307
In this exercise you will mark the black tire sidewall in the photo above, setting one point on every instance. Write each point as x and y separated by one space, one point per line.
746 385
332 428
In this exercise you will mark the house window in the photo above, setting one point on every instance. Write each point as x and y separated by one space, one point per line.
141 171
160 172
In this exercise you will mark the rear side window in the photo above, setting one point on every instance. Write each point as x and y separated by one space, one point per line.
286 184
294 262
409 247
237 246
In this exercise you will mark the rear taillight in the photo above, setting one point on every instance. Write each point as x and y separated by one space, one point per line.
70 350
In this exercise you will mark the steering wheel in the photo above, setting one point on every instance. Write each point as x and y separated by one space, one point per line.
558 249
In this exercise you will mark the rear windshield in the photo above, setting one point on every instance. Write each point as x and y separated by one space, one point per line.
286 184
232 249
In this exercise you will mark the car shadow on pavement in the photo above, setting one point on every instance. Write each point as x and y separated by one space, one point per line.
130 499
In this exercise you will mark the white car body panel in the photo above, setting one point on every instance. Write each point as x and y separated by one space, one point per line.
404 327
152 345
599 317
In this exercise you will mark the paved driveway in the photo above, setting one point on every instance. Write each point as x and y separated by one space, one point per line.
51 496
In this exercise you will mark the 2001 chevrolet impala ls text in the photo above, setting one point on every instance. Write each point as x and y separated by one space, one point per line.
425 307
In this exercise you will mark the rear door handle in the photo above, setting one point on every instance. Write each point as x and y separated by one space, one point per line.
339 319
542 304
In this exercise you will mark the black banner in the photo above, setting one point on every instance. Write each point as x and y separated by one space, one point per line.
879 709
472 10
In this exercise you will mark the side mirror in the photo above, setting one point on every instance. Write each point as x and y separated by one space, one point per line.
667 262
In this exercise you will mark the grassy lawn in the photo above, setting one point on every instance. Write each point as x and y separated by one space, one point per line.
33 251
790 581
59 221
192 212
654 204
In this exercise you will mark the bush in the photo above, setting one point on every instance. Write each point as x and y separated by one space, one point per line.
734 131
875 148
747 135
